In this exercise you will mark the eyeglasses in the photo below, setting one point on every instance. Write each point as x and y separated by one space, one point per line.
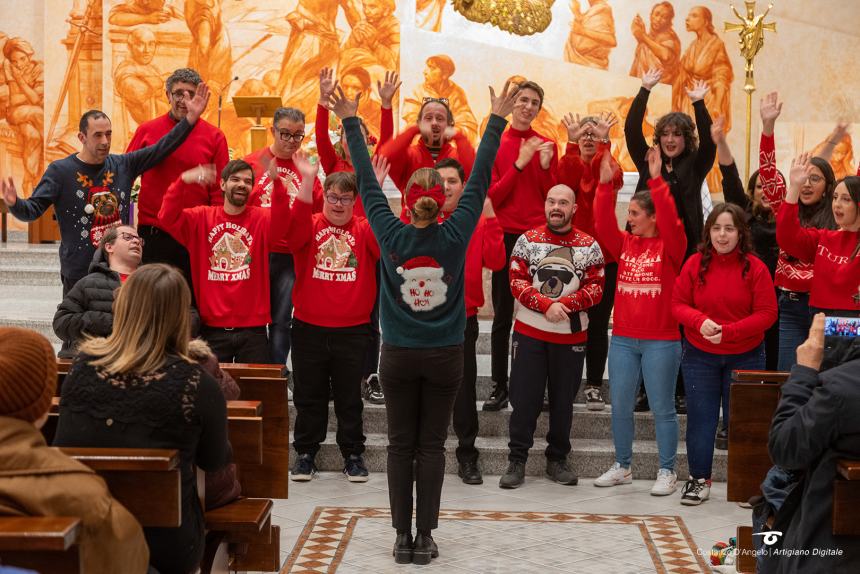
815 179
183 94
428 100
130 237
287 136
588 136
344 200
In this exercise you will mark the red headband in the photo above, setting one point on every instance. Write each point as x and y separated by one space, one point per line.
416 192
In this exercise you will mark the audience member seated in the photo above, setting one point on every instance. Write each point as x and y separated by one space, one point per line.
36 480
88 308
139 388
816 423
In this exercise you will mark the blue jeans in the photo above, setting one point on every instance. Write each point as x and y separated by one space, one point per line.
794 324
708 378
658 362
282 275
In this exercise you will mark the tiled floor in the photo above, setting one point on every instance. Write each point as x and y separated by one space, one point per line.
510 546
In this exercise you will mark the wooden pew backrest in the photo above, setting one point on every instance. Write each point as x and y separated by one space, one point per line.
41 543
271 478
752 406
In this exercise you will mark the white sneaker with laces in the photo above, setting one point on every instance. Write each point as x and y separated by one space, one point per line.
695 492
594 399
616 475
666 483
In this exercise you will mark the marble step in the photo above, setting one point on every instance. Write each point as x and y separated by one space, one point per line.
586 424
589 457
28 254
33 274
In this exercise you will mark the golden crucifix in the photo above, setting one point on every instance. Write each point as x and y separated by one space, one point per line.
751 31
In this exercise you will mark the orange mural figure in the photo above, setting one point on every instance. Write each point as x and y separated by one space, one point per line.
705 59
428 14
375 40
314 44
659 47
137 81
134 12
210 45
438 84
25 105
592 34
356 81
841 158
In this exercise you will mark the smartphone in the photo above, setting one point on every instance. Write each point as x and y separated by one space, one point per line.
847 327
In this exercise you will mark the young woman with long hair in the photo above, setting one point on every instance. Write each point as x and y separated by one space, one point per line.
423 319
725 300
140 388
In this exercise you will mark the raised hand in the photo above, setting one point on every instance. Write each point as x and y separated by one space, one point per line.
718 131
10 194
607 168
655 162
572 124
388 88
342 106
604 123
651 78
503 105
799 172
327 85
545 150
380 168
811 352
197 104
204 174
698 91
769 109
307 169
528 148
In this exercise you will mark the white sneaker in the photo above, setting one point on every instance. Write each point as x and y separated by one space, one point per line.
614 476
695 492
666 483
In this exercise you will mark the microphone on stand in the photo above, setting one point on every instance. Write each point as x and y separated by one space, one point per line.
221 98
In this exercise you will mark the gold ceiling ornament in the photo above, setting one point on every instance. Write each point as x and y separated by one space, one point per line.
520 17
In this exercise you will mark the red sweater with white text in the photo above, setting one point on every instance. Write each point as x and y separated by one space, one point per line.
261 195
744 306
205 144
548 267
518 196
647 266
229 254
335 269
837 275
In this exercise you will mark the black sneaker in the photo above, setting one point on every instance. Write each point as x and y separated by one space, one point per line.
681 405
515 476
641 405
304 469
559 471
695 491
498 398
424 549
722 440
403 548
373 390
594 399
470 473
354 469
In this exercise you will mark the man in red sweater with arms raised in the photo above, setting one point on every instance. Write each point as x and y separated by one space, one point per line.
205 145
229 246
524 171
486 249
336 255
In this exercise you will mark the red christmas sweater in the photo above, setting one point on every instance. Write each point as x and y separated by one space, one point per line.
583 179
647 266
744 306
229 254
331 162
205 144
837 275
261 195
335 269
518 196
546 268
792 274
486 249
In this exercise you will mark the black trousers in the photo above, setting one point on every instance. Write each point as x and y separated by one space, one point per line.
161 247
420 386
503 315
328 358
465 410
371 360
239 345
538 365
597 348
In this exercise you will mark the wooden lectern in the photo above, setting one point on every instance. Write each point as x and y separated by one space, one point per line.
256 107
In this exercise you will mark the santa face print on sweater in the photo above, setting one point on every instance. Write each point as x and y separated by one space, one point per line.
335 259
424 287
230 252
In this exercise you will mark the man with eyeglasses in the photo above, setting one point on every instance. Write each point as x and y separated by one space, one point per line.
288 133
336 255
204 146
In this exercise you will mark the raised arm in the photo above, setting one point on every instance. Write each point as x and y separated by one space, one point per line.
797 241
707 151
387 89
669 226
46 193
301 216
327 154
605 222
733 187
396 151
633 136
172 215
772 183
502 185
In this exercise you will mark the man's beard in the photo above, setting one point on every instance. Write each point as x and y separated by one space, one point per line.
559 226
